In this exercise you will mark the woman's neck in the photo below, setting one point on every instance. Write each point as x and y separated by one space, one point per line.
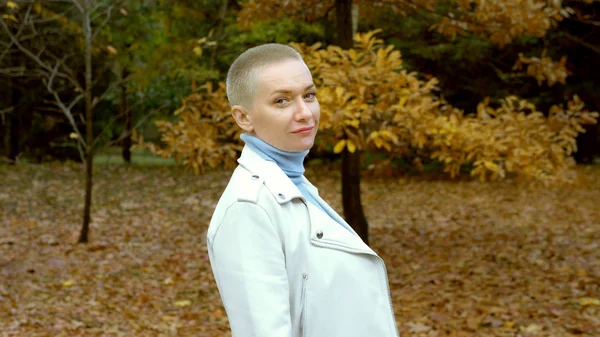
292 163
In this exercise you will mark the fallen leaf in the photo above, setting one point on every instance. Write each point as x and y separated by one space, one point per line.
531 328
218 314
589 301
183 303
418 327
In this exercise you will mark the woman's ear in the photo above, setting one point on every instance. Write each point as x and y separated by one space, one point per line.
242 118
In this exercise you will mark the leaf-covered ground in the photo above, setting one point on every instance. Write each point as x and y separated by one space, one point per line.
464 258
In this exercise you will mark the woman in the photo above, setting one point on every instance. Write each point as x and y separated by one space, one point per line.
286 264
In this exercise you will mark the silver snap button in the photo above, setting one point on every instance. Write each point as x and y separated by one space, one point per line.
254 177
281 196
319 234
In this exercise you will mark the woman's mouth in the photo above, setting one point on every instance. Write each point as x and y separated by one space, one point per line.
304 131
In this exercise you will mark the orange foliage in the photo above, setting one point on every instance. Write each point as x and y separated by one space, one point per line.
499 21
513 138
370 102
314 10
502 21
544 68
204 135
305 10
358 89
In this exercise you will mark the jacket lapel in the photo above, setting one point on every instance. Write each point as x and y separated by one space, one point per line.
326 231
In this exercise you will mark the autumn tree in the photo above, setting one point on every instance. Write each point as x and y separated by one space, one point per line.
498 21
351 196
60 73
371 102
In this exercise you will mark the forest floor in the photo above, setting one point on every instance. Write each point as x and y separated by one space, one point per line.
464 258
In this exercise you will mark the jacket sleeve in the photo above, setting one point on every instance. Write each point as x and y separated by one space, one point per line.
248 263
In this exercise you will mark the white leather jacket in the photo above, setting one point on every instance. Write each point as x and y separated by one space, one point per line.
284 268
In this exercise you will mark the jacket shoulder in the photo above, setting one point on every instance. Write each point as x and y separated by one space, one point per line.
246 186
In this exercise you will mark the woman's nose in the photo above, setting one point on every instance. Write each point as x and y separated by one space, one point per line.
302 111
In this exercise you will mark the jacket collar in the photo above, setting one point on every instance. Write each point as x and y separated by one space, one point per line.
276 181
283 190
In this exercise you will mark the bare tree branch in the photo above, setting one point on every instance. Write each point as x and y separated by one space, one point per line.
67 111
19 31
588 45
78 5
13 72
28 52
51 73
104 23
3 113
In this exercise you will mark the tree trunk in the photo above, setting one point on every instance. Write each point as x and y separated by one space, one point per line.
14 125
219 35
343 17
89 149
127 116
353 210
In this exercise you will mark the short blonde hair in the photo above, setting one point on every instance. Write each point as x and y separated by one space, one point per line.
241 77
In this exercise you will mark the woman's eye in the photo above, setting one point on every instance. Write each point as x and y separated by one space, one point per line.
281 101
310 96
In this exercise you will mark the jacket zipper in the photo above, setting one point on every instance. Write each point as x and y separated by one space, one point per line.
302 328
387 285
387 282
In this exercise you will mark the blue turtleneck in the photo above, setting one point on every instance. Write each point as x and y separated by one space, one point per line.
291 163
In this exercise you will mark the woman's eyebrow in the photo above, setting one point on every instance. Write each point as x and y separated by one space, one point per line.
288 91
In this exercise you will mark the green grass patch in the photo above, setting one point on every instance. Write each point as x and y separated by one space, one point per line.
113 156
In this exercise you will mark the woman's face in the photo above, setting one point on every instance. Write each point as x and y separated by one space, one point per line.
285 111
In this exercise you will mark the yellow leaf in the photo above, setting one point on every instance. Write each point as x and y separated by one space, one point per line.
168 318
10 17
198 51
354 123
387 146
378 142
111 50
386 133
218 314
531 328
402 101
68 283
339 147
509 324
351 146
589 301
168 281
183 303
12 5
